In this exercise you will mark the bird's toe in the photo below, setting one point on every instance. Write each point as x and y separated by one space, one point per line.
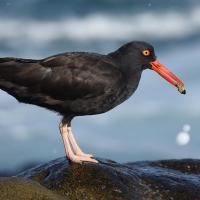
90 160
81 159
85 155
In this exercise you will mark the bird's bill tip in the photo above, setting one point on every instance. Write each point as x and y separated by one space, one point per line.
169 76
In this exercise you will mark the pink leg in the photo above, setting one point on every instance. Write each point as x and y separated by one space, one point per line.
69 152
75 146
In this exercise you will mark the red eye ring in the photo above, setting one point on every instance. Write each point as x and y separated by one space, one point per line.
146 52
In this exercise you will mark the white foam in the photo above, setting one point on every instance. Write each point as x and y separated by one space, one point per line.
183 138
105 27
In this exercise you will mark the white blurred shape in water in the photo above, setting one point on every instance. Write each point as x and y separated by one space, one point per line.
183 137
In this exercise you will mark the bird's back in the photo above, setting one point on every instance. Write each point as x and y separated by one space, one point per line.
64 82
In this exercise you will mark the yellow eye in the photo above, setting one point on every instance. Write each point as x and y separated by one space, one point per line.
146 52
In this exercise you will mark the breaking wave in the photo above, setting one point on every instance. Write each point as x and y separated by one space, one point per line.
101 26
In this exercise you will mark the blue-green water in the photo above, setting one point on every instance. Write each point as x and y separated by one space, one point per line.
145 126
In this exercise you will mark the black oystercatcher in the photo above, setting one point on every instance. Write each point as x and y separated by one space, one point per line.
77 83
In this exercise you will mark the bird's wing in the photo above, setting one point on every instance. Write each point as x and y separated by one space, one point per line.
64 77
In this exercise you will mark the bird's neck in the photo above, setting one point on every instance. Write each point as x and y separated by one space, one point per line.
131 73
125 62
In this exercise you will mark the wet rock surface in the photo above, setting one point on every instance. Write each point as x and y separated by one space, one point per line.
108 180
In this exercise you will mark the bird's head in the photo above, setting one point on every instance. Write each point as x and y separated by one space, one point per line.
141 56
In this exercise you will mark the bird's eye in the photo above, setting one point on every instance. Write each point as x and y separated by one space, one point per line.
146 52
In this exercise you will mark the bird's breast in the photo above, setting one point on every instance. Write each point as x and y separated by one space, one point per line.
112 96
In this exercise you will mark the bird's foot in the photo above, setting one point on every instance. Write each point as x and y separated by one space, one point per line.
73 151
81 159
84 154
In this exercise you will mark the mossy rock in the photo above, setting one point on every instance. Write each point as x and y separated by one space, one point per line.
21 189
82 181
108 180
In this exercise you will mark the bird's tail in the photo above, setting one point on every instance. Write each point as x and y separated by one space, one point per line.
9 65
13 74
11 68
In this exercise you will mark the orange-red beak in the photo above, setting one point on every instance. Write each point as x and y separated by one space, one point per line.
169 76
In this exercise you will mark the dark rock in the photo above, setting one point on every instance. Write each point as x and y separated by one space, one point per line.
108 180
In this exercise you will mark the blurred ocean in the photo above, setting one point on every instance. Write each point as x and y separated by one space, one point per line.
144 127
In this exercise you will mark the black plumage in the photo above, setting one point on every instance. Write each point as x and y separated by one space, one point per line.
75 83
80 83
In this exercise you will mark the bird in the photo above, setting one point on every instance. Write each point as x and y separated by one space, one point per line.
76 84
